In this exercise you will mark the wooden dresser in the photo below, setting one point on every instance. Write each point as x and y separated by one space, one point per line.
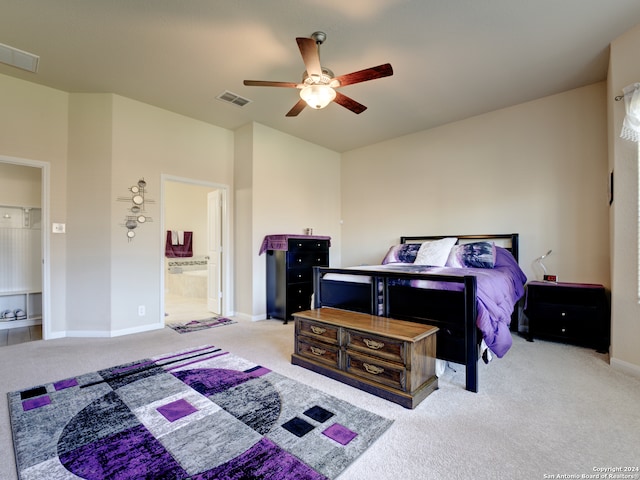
390 358
290 273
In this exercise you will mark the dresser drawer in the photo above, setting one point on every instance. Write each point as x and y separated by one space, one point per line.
377 346
306 245
319 331
297 305
300 275
299 296
376 369
580 313
308 259
567 323
318 351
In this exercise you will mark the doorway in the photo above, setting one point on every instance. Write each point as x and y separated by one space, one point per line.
195 233
24 247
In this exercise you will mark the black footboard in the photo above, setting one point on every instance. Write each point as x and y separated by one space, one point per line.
453 311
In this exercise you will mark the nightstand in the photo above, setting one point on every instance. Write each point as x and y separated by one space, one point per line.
575 313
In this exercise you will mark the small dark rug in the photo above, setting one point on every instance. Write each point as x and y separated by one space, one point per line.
196 325
197 414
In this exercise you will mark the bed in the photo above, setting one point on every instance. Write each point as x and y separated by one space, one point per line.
470 286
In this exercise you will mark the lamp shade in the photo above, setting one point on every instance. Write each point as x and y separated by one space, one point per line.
317 96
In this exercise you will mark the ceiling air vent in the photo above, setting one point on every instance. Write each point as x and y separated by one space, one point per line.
233 98
18 58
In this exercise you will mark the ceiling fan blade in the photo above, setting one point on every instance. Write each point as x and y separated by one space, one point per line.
263 83
297 108
365 75
349 103
310 56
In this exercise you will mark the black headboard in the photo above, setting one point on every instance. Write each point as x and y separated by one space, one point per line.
508 241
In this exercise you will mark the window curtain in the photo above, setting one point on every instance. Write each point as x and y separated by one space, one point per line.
631 124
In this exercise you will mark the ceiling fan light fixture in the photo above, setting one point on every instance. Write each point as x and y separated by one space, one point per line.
317 96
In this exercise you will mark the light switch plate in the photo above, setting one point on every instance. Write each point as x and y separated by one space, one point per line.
58 228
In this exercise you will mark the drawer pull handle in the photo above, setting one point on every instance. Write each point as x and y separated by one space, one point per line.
372 344
318 351
373 369
318 330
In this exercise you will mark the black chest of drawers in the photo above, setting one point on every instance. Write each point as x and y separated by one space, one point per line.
575 313
290 275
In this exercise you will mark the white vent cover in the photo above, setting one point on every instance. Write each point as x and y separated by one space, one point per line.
233 99
18 58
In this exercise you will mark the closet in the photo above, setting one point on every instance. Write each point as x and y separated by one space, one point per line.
20 246
21 266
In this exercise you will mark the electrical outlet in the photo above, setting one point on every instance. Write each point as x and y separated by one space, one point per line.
142 310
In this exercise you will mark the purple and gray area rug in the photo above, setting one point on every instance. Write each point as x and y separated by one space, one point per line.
196 325
195 414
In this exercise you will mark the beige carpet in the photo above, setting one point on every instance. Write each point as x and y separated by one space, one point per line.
543 409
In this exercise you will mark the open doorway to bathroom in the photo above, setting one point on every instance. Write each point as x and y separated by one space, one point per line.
195 265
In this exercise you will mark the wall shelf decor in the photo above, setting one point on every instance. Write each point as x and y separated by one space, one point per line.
136 215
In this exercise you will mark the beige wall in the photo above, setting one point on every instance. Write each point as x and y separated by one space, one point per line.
539 169
97 147
284 185
147 143
624 70
34 127
20 185
248 285
88 228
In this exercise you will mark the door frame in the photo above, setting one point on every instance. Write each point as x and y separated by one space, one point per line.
225 262
45 226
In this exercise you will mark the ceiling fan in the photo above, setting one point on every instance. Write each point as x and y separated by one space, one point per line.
318 86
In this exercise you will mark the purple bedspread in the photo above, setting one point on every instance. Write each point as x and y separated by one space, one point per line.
498 291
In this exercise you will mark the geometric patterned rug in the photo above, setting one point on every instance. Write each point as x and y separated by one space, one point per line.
196 325
200 414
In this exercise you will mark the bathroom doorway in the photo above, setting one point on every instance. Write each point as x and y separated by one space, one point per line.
196 281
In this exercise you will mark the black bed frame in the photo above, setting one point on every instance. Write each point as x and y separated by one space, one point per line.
454 312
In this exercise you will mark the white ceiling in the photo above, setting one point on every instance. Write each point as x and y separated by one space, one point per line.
452 59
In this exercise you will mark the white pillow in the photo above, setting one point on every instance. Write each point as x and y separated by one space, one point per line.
436 252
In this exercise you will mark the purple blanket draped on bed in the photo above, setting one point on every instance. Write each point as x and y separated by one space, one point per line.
498 291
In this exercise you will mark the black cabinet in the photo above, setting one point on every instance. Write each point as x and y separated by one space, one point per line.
290 275
575 313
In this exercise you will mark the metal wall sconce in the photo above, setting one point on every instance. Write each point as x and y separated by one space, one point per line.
137 214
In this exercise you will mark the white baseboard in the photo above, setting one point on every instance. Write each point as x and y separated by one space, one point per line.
252 318
105 333
625 367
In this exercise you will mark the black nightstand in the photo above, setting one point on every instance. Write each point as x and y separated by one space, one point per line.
575 313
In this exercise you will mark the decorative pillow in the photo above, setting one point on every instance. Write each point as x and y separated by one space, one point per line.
402 253
436 252
473 255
